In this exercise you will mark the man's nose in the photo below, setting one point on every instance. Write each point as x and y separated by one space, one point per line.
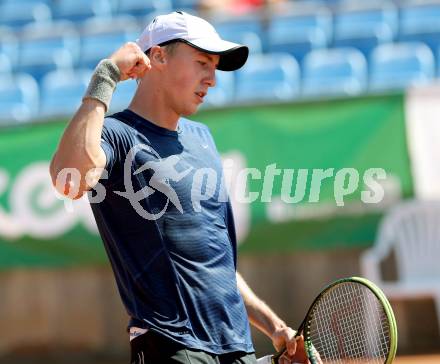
210 79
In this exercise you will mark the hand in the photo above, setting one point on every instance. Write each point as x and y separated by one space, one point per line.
284 338
294 356
299 356
295 351
131 61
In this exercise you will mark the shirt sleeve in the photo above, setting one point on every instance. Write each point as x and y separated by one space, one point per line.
109 154
115 144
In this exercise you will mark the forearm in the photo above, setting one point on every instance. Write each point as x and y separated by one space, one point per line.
260 314
80 145
81 142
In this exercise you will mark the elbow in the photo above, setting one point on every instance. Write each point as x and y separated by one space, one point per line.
66 181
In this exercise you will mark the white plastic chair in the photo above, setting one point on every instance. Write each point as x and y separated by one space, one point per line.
412 230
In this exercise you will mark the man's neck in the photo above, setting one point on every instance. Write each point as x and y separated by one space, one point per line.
154 110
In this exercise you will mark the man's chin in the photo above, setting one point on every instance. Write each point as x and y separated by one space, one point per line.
190 111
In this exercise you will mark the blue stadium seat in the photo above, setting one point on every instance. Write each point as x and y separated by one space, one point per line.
5 66
18 98
251 38
334 72
79 10
9 44
101 37
300 31
19 13
46 48
397 66
223 92
268 77
140 8
241 29
420 22
123 94
62 92
365 25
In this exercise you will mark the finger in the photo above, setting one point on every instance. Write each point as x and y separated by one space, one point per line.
300 340
285 359
143 60
136 72
146 60
140 70
291 344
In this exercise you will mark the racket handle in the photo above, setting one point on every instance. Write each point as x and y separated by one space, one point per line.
268 359
277 356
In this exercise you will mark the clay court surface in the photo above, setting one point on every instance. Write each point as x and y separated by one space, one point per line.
419 359
425 359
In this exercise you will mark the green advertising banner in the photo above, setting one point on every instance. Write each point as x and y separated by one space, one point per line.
315 175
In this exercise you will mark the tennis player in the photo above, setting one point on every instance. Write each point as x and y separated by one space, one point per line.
174 264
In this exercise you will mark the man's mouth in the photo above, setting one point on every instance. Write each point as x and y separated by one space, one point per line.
201 94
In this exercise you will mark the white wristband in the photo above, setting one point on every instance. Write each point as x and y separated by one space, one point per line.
103 82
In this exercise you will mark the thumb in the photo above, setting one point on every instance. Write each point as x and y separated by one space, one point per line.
291 347
142 66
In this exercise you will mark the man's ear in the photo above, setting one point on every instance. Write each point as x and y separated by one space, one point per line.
158 56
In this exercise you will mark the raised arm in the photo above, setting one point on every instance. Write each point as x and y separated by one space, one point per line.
80 146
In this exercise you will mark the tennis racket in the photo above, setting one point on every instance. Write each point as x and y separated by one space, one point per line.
350 322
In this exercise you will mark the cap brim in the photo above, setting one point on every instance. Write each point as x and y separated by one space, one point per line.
232 55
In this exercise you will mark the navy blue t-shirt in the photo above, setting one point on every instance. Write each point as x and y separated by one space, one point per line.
168 230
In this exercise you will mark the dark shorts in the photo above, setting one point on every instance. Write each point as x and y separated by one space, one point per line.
152 348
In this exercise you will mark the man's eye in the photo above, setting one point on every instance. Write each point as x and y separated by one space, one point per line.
202 63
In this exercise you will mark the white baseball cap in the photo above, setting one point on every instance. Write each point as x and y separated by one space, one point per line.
198 33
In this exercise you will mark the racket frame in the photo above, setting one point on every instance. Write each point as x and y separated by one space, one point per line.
305 325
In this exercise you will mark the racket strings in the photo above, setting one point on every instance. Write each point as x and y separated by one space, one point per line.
349 325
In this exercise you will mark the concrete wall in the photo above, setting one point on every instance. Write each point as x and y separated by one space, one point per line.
78 311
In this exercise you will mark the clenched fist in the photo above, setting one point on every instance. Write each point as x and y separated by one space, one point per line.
131 61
